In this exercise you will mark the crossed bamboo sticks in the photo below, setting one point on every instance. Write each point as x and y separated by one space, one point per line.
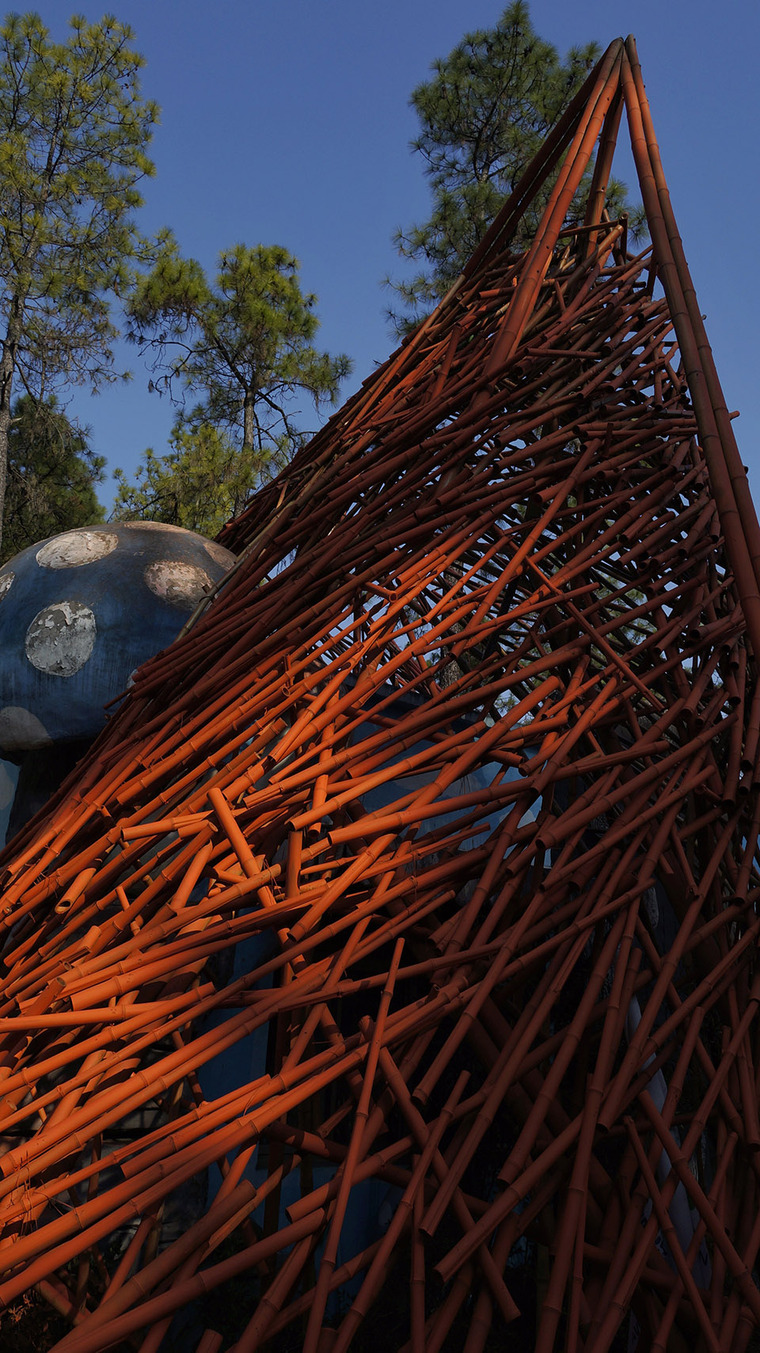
420 875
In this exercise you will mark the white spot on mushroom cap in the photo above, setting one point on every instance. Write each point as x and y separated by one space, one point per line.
75 548
21 731
6 582
61 638
218 553
157 526
179 583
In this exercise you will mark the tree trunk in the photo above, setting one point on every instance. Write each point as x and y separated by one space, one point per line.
5 422
249 401
7 368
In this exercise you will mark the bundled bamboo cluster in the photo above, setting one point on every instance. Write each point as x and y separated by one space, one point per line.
462 763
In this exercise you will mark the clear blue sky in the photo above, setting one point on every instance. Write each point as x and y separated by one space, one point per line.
287 121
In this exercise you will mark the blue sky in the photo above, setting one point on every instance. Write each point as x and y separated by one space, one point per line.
287 121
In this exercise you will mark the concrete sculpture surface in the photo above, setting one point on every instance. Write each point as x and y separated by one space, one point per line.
79 612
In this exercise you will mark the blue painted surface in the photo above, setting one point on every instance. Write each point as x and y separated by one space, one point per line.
131 622
8 778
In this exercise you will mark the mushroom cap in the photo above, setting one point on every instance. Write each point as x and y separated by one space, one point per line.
80 611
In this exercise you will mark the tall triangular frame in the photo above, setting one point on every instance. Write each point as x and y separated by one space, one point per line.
385 975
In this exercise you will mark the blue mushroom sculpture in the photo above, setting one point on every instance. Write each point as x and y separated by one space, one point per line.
80 611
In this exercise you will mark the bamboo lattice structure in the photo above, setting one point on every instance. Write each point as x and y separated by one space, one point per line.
462 762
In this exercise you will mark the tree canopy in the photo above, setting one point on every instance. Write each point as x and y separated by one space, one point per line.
483 116
52 473
200 483
73 138
241 347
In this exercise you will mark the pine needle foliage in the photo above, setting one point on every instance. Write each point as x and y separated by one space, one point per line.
484 114
74 132
202 481
242 346
52 474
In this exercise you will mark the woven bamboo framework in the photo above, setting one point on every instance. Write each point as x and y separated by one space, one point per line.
399 933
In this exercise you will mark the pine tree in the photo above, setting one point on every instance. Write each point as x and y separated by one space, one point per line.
243 346
202 481
483 116
52 473
73 137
